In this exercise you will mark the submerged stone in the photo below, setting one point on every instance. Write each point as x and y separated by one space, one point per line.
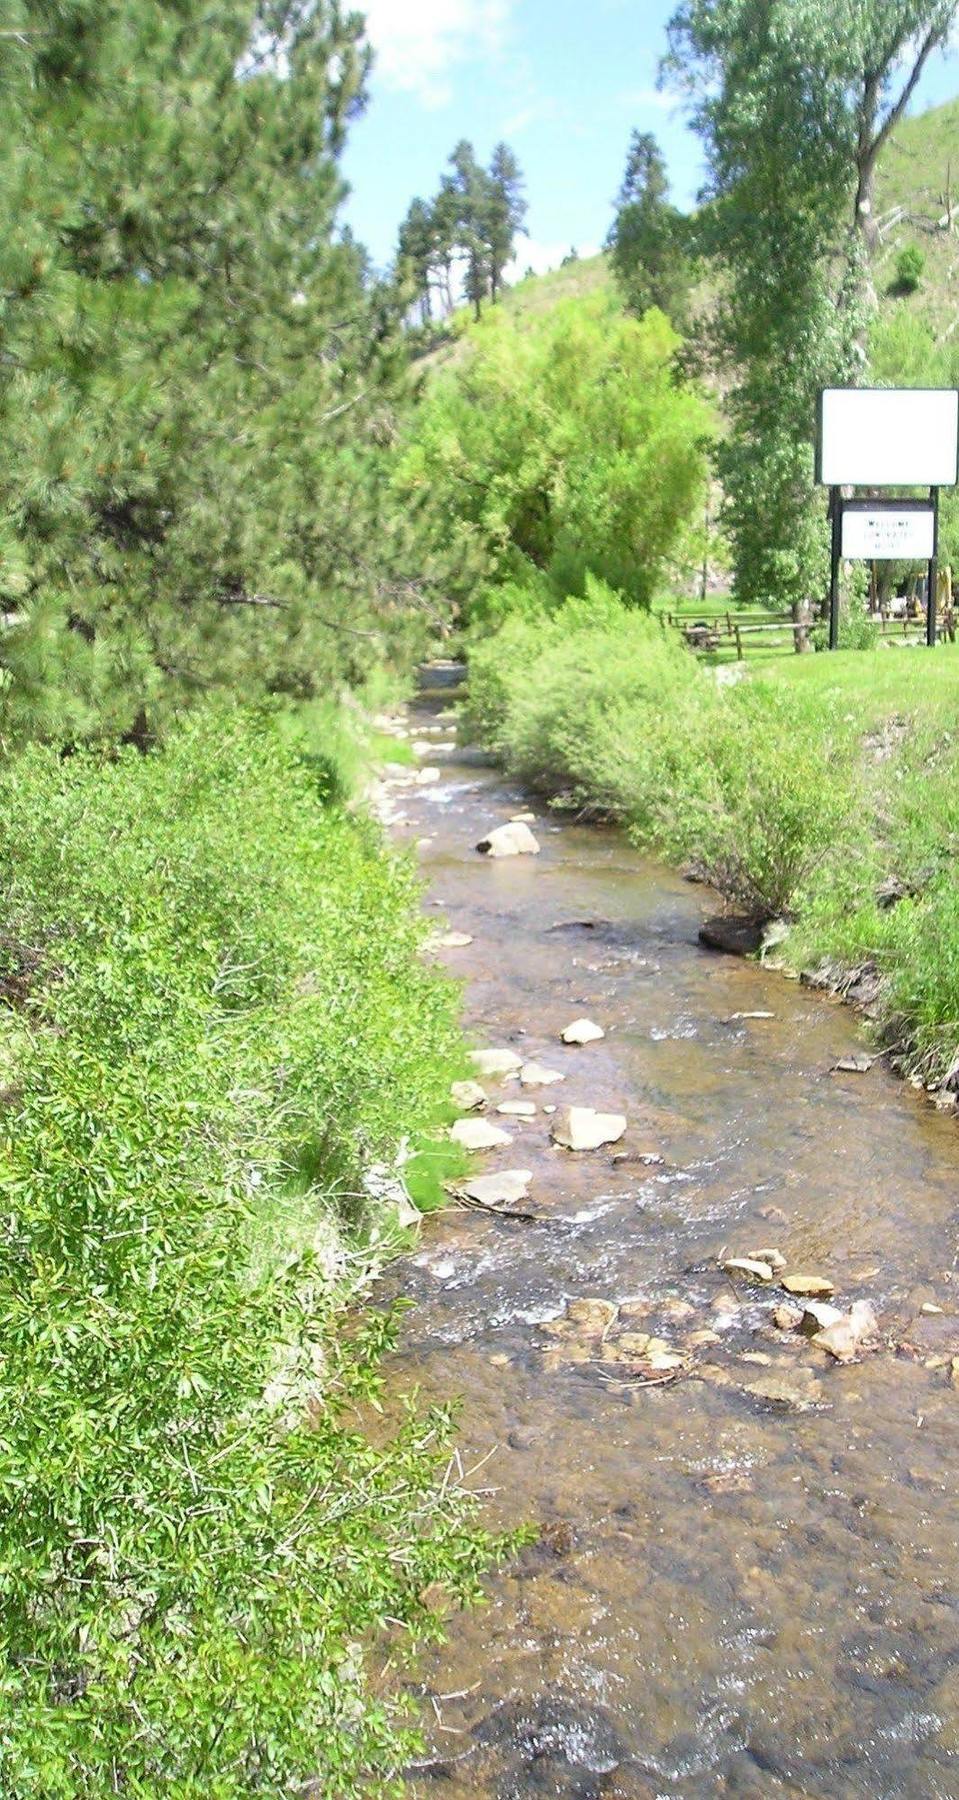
496 1063
534 1074
795 1389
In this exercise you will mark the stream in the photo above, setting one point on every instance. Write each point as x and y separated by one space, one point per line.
747 1578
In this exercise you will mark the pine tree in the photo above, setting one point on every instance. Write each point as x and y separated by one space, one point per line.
194 376
415 254
505 213
469 190
649 241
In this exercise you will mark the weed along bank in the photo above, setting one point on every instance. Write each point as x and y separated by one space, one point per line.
883 439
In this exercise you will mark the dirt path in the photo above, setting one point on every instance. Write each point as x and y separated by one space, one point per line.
748 1578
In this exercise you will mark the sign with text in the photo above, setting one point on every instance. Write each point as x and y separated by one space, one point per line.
888 533
888 437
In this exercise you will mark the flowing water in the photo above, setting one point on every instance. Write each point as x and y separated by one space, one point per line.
747 1580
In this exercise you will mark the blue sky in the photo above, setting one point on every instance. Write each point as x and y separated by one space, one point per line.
563 81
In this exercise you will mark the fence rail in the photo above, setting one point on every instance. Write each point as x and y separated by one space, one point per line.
709 631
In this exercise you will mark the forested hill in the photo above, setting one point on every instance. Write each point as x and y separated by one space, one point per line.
918 182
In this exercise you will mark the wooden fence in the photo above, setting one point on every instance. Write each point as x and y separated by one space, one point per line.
739 632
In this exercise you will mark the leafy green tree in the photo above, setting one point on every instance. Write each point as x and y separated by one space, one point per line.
649 240
195 379
560 446
793 100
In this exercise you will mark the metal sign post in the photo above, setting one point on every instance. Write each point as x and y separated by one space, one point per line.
932 578
835 507
886 438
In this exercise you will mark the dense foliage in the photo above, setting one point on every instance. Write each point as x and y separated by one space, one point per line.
215 983
562 444
196 383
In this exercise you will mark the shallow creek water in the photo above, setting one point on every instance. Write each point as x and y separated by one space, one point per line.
731 1594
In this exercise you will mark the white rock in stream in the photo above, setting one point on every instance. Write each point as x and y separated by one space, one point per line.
478 1134
426 777
818 1315
469 1095
581 1128
454 940
518 1109
514 839
583 1031
849 1334
507 1188
749 1266
496 1063
534 1074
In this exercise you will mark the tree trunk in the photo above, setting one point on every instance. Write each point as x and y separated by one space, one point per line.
802 615
864 218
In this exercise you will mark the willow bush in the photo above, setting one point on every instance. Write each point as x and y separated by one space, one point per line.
216 1018
596 703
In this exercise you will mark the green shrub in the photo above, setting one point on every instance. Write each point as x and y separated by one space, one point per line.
223 1019
598 704
910 268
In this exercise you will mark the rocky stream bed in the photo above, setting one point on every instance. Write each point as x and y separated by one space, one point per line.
747 1575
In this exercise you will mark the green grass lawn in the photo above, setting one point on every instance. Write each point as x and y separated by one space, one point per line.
916 683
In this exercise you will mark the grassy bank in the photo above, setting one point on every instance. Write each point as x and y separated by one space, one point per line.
824 791
216 1021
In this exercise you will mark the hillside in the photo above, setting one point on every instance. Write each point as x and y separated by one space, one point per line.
918 187
918 183
539 292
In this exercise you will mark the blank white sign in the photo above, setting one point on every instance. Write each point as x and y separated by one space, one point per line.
907 536
889 437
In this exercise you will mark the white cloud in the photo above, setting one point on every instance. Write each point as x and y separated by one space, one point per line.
538 255
418 42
